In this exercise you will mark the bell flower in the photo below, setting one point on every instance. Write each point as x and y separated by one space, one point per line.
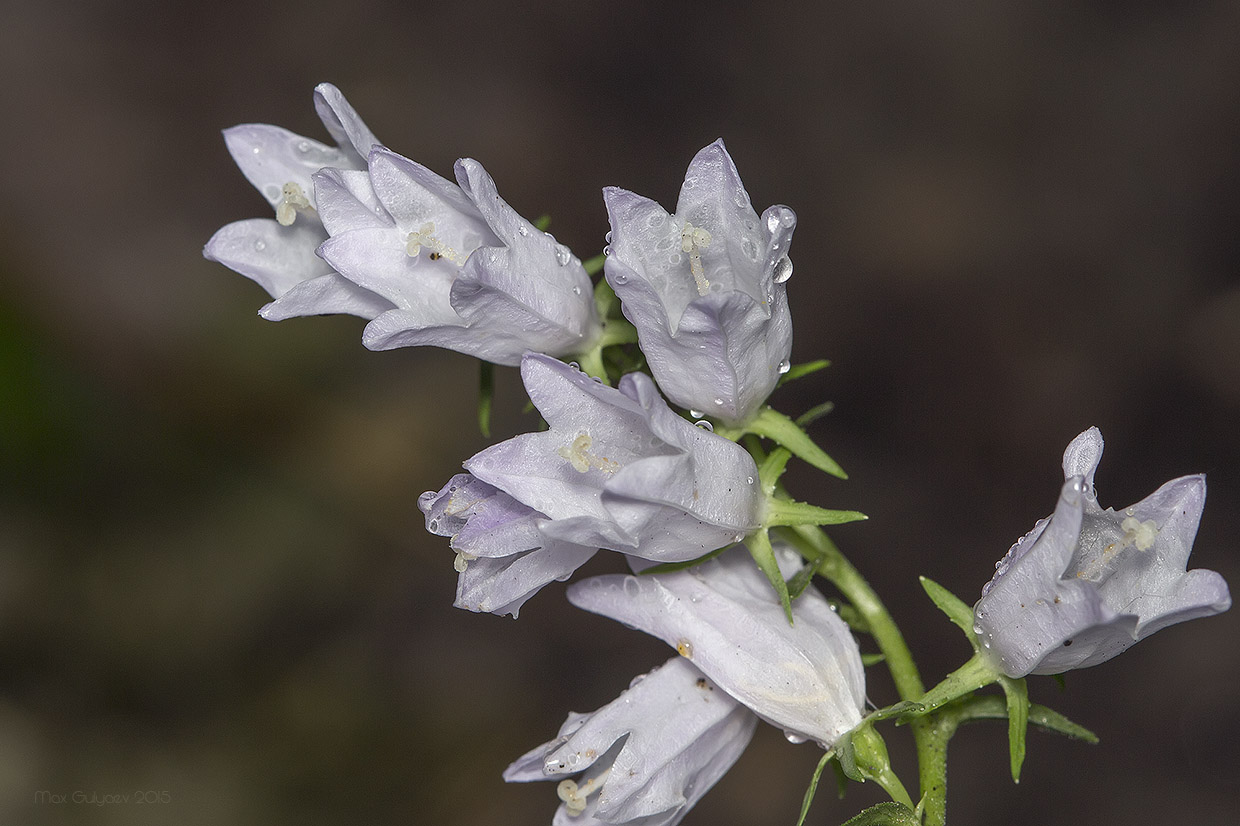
705 288
619 470
646 757
806 678
1086 583
458 266
502 557
280 254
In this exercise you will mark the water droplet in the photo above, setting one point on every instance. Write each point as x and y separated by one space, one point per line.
783 270
257 149
738 537
718 402
576 290
742 198
794 738
749 480
705 425
303 147
750 249
780 217
260 245
655 221
631 586
523 231
674 258
784 366
562 255
607 250
607 237
696 414
433 525
574 365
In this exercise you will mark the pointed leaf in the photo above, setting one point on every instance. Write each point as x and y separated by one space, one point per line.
759 545
771 424
813 786
953 606
814 414
801 370
885 814
785 512
1018 721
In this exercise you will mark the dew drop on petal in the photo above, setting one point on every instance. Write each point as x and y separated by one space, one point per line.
522 231
705 425
574 365
607 250
783 270
784 366
562 255
303 147
607 237
749 480
794 738
576 290
718 402
696 414
260 245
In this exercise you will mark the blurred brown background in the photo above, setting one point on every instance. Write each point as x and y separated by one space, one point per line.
1017 219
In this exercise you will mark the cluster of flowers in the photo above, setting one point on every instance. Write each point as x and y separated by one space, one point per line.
362 230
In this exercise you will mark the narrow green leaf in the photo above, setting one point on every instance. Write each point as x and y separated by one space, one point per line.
785 512
814 414
798 371
759 545
868 660
1051 720
955 608
800 580
773 467
885 814
974 674
771 424
813 786
1017 692
542 222
486 394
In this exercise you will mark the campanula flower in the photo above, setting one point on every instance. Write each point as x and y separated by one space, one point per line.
805 677
618 469
705 288
501 555
646 757
1086 583
280 254
459 267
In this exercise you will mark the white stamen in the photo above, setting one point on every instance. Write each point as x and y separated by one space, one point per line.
461 563
574 796
579 456
425 237
1138 534
693 240
293 202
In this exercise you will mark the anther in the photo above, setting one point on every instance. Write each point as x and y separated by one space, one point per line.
693 240
293 202
425 237
579 456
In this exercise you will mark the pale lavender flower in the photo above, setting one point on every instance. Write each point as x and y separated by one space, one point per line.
646 757
501 555
619 470
705 288
805 677
280 254
459 267
1086 583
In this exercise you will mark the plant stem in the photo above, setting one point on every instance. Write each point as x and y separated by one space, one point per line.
931 748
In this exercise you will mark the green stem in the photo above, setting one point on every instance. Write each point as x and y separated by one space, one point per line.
592 364
931 753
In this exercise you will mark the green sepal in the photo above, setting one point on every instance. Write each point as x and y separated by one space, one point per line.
671 567
991 707
773 467
1017 695
486 395
885 814
814 414
801 580
852 616
863 755
868 660
798 371
813 786
955 608
604 296
789 513
759 545
773 425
